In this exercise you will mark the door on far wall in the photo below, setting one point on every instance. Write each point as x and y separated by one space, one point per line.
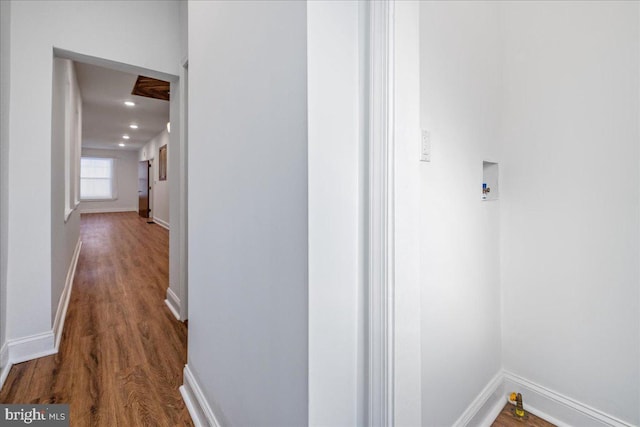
143 189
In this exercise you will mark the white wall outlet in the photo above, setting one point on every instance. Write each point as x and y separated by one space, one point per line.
425 146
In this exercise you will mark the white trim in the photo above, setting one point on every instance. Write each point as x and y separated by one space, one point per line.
172 309
4 363
557 408
380 398
63 303
67 214
31 347
70 83
189 399
4 354
199 409
541 401
173 302
99 199
486 407
108 210
46 343
162 223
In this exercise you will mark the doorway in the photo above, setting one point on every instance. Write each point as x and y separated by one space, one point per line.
174 186
144 189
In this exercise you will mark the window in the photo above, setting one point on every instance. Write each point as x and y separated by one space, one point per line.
97 179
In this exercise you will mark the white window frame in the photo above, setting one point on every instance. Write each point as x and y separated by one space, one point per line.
72 140
77 155
114 180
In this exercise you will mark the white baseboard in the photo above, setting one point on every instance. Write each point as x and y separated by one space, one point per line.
107 210
4 354
46 343
31 347
486 406
492 412
162 223
196 415
540 401
173 302
5 365
556 407
196 403
63 304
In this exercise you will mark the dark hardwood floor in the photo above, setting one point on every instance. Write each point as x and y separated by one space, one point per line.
506 419
122 352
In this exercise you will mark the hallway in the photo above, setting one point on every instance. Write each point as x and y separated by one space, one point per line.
122 352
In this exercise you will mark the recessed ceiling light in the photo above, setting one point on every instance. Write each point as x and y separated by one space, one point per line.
121 144
129 103
133 126
169 127
125 136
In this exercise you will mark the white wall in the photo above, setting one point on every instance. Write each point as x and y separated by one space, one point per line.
177 294
5 33
248 234
407 212
335 277
160 189
126 176
66 123
570 201
124 32
460 62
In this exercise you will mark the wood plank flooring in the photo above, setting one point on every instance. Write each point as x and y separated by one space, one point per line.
122 352
505 419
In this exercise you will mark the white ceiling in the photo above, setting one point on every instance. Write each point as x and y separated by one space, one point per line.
105 118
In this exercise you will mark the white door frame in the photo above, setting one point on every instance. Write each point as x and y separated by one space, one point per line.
393 348
151 171
380 257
